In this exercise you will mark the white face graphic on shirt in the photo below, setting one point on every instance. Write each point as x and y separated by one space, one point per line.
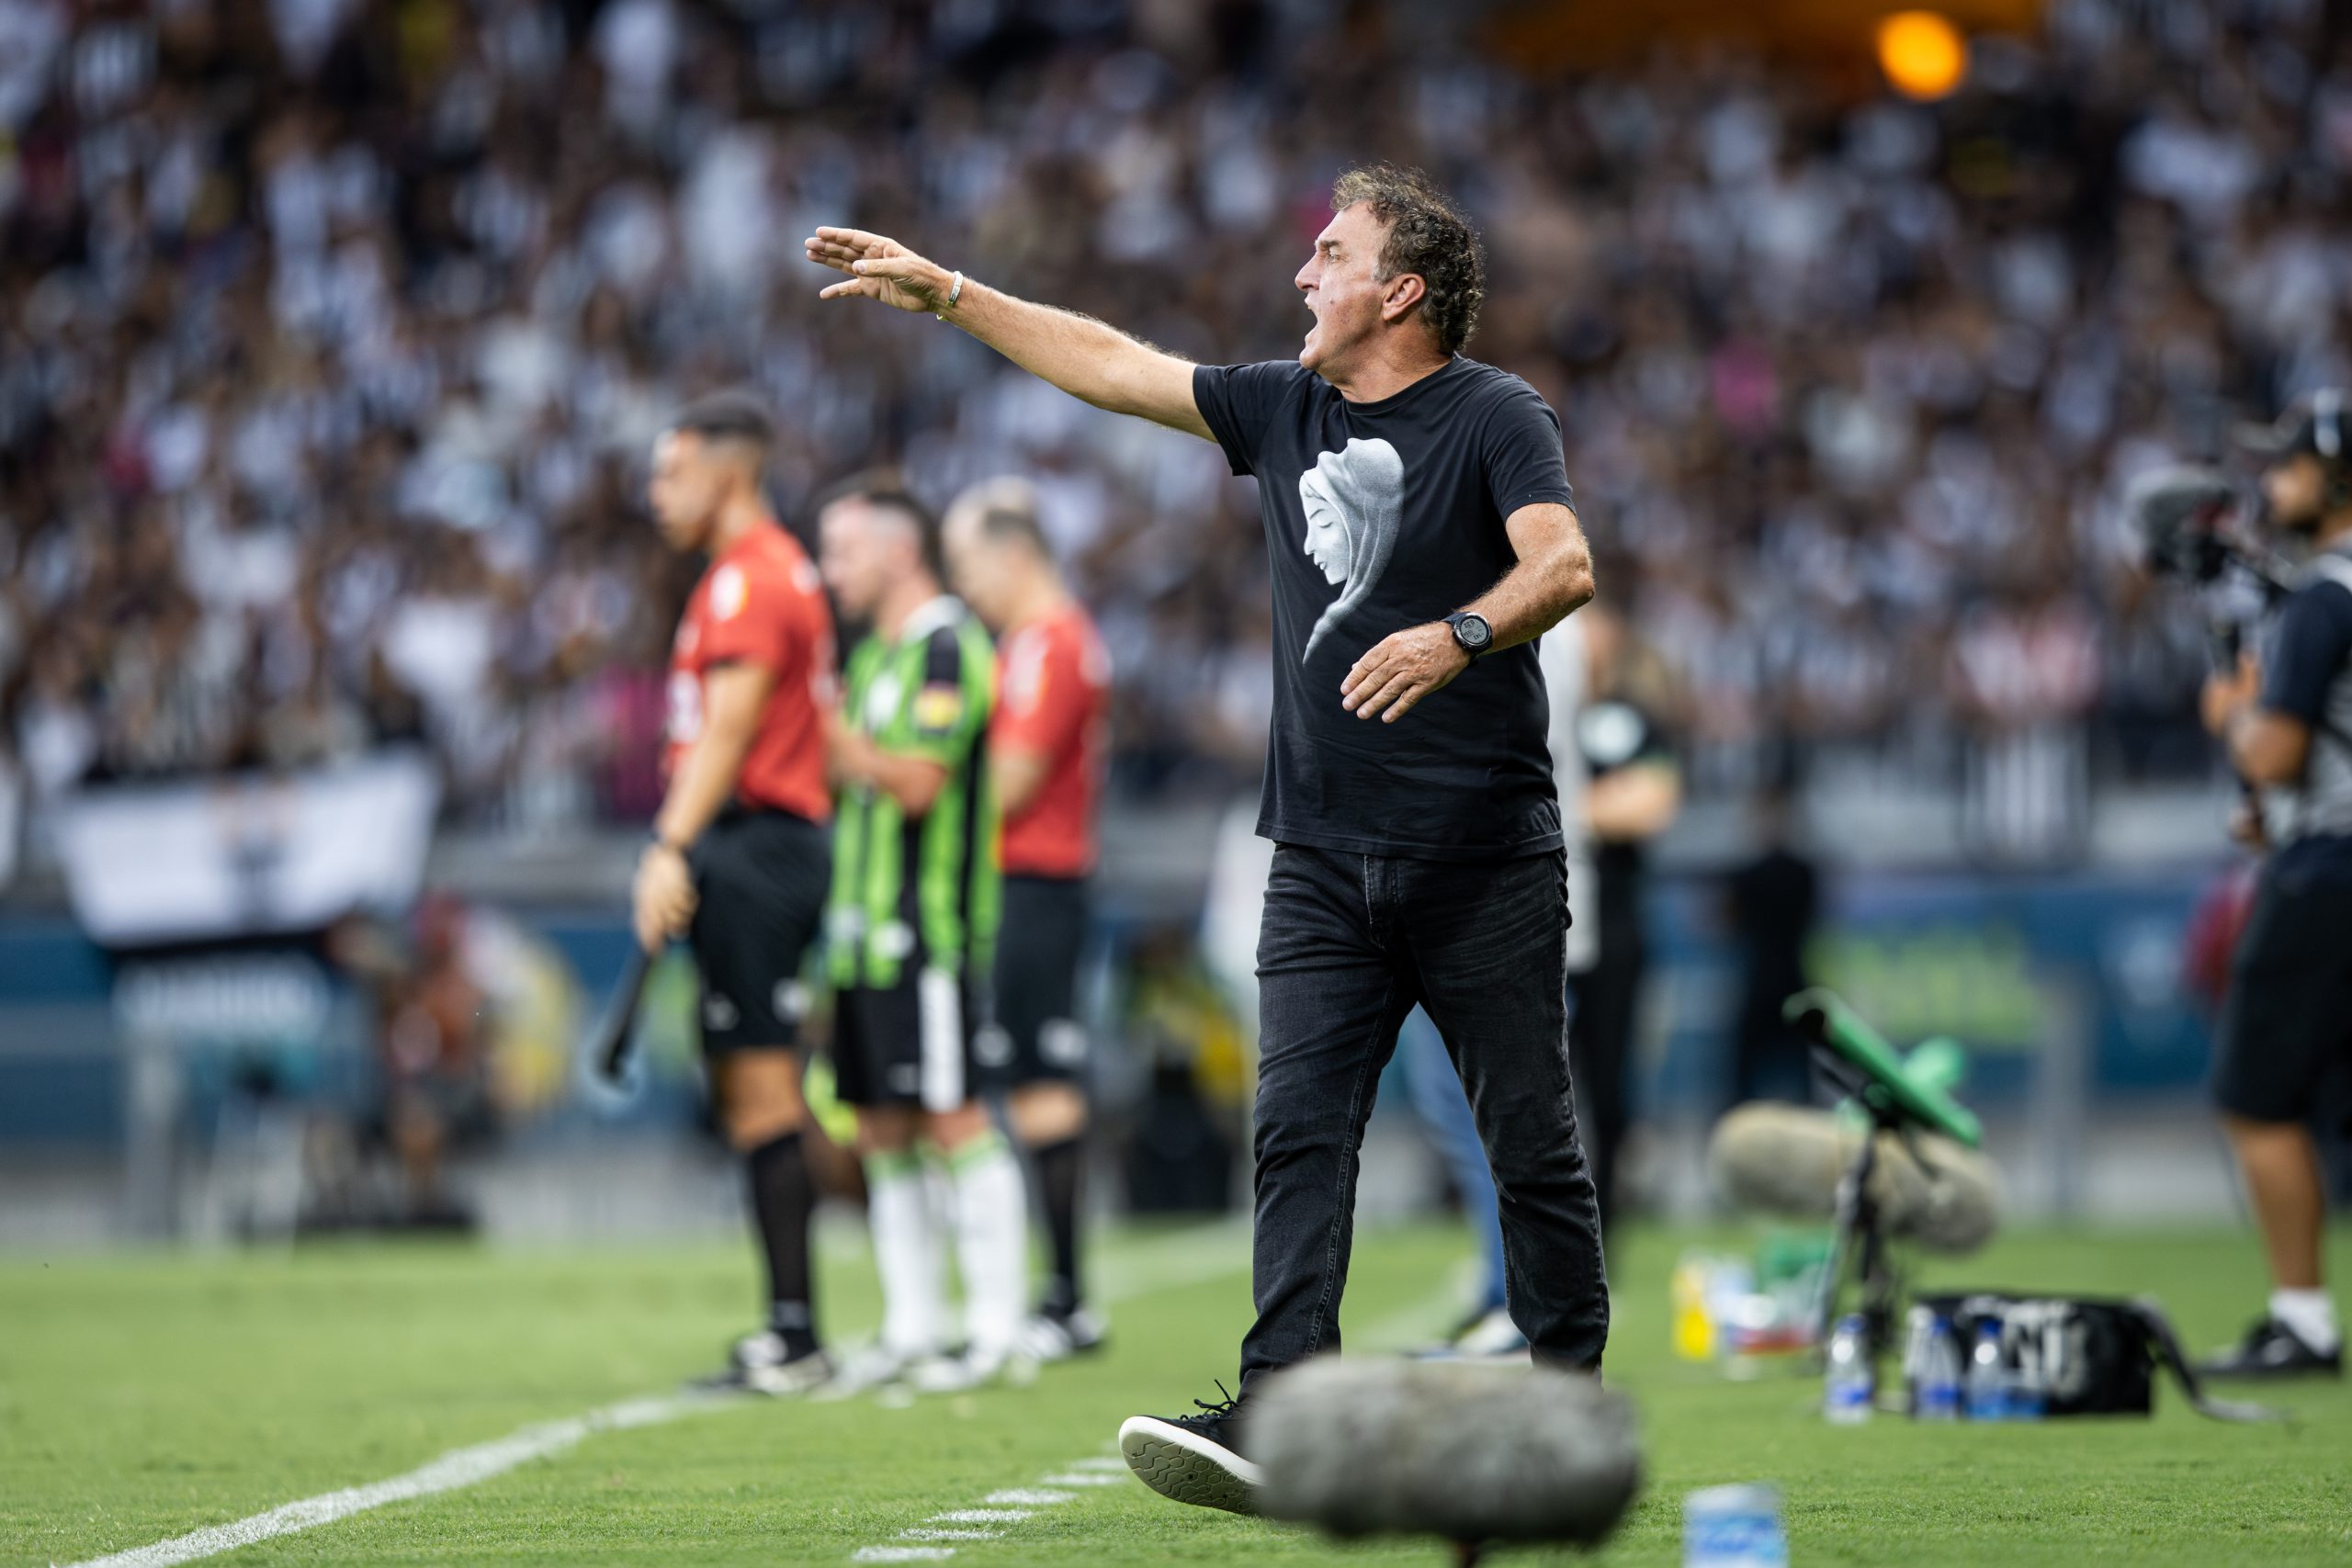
1353 499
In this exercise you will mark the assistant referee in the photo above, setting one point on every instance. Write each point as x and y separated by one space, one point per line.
740 859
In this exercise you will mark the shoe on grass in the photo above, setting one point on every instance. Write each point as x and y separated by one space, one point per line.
2271 1349
1058 1335
764 1363
1193 1459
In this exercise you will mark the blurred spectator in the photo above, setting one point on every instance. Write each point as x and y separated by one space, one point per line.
434 1035
327 328
1774 903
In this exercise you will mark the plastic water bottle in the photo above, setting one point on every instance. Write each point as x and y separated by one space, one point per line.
1937 1397
1849 1385
1987 1387
2029 1390
1733 1526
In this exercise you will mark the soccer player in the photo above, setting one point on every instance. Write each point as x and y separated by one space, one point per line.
910 925
1046 745
1420 536
738 861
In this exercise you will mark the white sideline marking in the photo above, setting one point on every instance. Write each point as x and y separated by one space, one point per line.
1186 1257
951 1535
1118 1466
980 1517
1031 1495
459 1466
1089 1479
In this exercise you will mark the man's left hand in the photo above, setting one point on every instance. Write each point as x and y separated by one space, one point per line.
1402 670
2225 696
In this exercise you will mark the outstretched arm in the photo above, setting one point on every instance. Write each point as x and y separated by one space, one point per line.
1080 354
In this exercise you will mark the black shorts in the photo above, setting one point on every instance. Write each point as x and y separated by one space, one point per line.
760 882
1034 1034
906 1045
2287 1022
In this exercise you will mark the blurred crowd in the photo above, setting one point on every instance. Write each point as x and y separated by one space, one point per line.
332 334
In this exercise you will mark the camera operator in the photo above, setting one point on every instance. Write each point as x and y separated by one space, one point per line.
2285 715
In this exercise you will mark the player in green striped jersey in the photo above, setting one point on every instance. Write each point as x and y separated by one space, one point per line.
911 930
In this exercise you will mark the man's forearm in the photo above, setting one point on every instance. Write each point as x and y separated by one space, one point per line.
705 779
1089 359
1540 591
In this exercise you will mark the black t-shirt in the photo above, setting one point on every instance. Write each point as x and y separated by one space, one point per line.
2307 674
1380 516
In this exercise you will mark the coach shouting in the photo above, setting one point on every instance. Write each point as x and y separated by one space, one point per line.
1419 526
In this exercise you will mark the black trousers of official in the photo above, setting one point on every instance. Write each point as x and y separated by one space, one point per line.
1348 945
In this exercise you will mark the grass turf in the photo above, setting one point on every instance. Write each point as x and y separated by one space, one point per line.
148 1396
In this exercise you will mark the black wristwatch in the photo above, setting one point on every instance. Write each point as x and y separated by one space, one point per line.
1471 632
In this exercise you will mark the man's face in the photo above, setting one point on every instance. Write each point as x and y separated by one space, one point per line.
855 554
684 490
978 567
1341 290
2293 490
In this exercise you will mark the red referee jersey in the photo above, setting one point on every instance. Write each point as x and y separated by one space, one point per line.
760 604
1052 700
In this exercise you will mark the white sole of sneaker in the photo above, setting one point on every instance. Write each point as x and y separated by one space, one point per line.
1186 1469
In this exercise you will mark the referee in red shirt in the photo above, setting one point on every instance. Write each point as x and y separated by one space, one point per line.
1046 745
741 857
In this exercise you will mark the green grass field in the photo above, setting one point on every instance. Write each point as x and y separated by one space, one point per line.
143 1398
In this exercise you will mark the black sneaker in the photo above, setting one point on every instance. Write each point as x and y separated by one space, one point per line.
1051 1336
2271 1349
1193 1459
766 1363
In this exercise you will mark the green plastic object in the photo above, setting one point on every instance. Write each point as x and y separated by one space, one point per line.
1824 1017
1940 1063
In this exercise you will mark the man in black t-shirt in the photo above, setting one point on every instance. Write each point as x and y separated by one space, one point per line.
2286 1023
1421 537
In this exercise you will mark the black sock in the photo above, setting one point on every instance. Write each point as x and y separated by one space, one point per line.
783 1197
1058 1167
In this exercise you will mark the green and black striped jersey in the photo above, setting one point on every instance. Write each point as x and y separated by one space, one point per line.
918 892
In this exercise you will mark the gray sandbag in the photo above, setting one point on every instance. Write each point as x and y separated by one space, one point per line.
1470 1452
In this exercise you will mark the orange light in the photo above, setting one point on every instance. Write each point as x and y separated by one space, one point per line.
1922 53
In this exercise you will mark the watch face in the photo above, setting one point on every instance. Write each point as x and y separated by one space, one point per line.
1473 631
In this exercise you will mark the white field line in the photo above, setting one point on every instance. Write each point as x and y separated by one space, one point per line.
980 1517
1027 1497
950 1535
459 1466
901 1553
1187 1257
1086 1478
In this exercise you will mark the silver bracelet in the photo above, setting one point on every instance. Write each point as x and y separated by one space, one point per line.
955 292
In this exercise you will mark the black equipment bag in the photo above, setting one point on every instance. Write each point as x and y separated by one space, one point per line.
2086 1356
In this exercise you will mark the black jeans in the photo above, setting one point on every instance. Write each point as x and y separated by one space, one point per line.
1348 945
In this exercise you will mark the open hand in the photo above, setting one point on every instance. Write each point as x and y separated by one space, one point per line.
1403 668
880 268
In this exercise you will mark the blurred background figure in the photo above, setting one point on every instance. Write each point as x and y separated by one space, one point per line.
1773 903
911 928
2284 716
433 1034
1632 790
1047 749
